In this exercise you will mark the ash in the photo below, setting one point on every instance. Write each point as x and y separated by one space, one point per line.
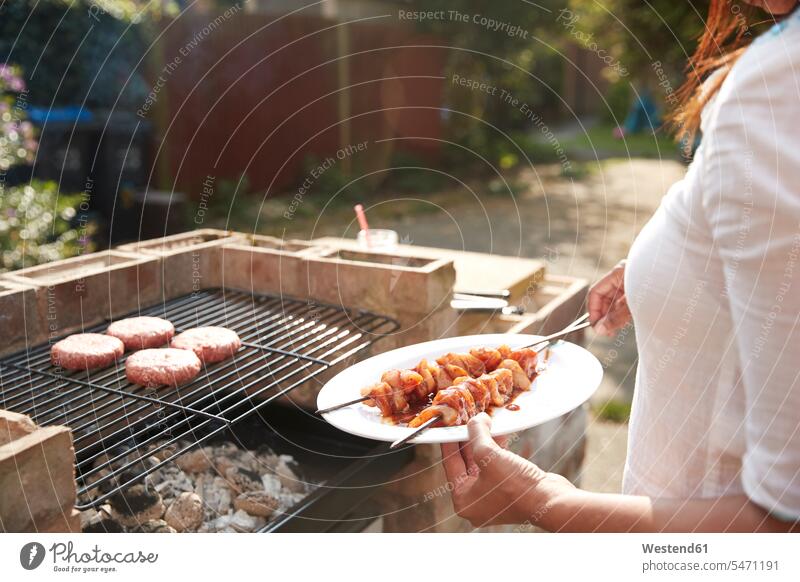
219 488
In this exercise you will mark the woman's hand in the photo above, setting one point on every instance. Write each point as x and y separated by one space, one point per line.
491 485
608 306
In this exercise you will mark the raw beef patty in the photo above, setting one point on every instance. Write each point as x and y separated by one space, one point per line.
211 344
139 333
162 367
85 351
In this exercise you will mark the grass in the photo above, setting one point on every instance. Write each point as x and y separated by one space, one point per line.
406 201
599 142
613 411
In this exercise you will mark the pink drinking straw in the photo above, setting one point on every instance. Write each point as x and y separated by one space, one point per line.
362 221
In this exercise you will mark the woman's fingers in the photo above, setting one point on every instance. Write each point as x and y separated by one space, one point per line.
469 459
453 462
598 302
620 313
605 292
617 317
480 438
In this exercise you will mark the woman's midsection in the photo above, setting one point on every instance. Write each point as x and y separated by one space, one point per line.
687 410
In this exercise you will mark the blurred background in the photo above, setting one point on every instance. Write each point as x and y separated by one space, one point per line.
531 129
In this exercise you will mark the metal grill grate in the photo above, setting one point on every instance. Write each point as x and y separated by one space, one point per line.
117 424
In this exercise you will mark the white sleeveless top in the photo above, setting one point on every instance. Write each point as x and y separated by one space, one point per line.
713 283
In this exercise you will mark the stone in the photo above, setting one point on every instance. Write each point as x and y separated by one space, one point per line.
192 259
420 486
75 292
73 519
19 317
381 282
240 521
28 499
155 526
136 505
13 426
262 270
216 495
258 503
171 482
161 450
274 488
424 327
224 464
68 521
195 461
185 513
288 477
99 521
243 480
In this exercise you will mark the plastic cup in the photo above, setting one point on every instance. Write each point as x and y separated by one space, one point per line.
379 239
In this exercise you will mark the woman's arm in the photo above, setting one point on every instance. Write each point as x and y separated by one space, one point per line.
585 511
492 485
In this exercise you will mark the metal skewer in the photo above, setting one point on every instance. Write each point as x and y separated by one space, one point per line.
581 319
420 429
342 405
576 325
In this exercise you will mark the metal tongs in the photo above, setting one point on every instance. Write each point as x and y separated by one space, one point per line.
486 301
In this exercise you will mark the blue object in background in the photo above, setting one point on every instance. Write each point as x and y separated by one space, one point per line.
72 114
643 115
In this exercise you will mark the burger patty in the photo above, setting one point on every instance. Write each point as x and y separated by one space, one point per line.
211 344
139 333
86 351
162 367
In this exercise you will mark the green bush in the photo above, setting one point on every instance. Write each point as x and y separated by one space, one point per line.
38 225
619 98
413 175
17 143
502 152
82 51
324 183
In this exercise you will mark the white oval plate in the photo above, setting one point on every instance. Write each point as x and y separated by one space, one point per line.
572 376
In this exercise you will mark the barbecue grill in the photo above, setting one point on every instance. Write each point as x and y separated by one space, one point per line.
115 424
127 438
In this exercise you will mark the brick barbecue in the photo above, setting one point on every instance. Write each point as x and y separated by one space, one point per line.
237 449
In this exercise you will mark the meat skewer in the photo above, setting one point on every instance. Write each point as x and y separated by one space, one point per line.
576 325
400 390
455 405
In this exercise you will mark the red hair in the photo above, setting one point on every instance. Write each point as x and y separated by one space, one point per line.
727 33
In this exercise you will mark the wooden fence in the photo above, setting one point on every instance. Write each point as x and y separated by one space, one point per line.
246 94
